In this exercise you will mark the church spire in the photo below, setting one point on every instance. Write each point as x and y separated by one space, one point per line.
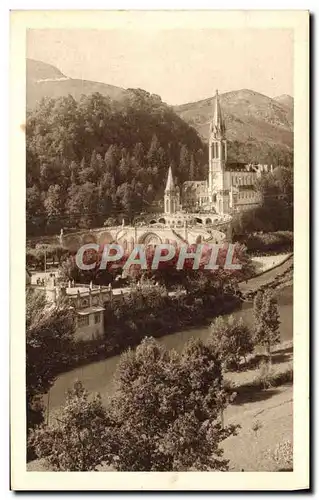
170 181
217 126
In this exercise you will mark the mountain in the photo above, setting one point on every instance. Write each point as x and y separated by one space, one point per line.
37 71
285 100
44 80
259 128
247 114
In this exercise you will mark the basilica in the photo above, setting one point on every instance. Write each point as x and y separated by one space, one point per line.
230 188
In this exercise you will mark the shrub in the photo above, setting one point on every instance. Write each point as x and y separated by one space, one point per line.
232 339
265 377
277 242
283 456
165 415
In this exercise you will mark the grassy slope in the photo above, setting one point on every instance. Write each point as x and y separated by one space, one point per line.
272 408
37 87
248 114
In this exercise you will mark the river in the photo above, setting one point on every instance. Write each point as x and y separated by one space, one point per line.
97 377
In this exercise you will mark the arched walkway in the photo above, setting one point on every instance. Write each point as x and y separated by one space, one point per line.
105 238
88 238
149 239
73 243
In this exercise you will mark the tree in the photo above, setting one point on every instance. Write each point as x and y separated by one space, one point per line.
231 339
82 203
167 409
49 334
78 439
192 169
163 416
126 198
110 221
152 155
73 142
267 321
53 202
184 162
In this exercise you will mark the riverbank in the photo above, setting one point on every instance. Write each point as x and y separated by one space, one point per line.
97 373
168 317
254 408
265 263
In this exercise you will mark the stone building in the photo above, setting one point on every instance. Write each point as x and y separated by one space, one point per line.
88 302
230 187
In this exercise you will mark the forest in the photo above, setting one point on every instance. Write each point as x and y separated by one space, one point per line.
96 158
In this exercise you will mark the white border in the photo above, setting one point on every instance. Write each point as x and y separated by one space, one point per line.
159 481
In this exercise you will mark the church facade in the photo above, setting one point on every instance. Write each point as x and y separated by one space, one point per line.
230 187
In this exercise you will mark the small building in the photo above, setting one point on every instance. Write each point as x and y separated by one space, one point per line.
88 302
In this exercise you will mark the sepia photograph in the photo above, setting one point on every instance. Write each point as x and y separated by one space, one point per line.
163 322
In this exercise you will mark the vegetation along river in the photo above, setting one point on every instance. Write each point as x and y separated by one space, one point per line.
97 376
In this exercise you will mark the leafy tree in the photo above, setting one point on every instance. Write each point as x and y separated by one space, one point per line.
192 169
110 221
49 334
163 416
152 155
54 202
167 409
231 339
267 320
184 162
81 203
112 158
72 143
78 439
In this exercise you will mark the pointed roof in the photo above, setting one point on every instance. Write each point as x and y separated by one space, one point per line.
217 126
170 181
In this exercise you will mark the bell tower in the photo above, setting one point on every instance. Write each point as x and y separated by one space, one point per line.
217 152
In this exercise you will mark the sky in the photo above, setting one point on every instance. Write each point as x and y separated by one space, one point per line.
181 65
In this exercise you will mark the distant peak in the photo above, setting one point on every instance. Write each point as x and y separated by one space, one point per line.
39 70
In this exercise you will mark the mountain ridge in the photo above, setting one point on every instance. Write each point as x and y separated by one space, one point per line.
259 128
55 84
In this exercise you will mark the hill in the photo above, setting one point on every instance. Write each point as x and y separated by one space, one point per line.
256 125
38 70
95 158
285 100
259 128
44 80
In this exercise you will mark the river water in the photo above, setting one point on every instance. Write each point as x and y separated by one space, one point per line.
97 377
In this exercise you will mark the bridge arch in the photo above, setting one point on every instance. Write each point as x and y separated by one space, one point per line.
72 243
198 220
105 238
88 238
149 238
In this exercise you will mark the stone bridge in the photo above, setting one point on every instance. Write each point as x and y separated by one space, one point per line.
154 234
175 230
